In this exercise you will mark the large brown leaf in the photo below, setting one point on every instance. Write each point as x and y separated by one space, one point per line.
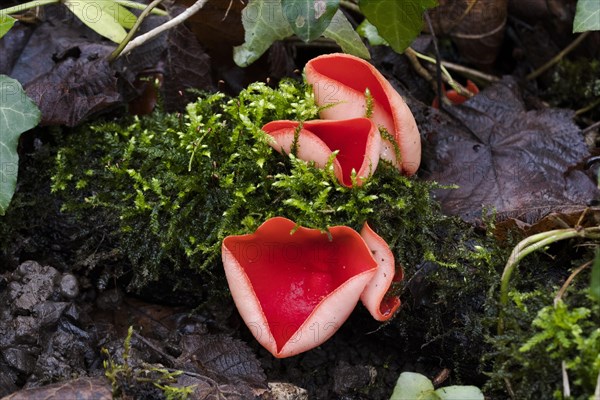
504 157
63 66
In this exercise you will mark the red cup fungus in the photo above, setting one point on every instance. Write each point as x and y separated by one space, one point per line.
454 97
294 287
357 140
340 82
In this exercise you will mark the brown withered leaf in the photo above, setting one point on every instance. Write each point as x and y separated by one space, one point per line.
568 217
222 357
64 68
506 158
187 66
81 388
80 85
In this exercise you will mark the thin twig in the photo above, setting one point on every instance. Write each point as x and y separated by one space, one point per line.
470 72
565 379
446 76
558 57
438 64
140 40
528 246
139 6
590 128
134 28
565 285
589 107
422 71
350 6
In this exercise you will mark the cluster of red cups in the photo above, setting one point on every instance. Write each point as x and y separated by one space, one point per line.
293 286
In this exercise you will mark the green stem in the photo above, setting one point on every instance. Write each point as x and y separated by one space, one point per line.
433 61
139 6
27 6
350 6
113 56
459 89
528 246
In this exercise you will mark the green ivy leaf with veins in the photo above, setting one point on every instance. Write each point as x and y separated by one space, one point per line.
264 23
413 386
341 30
18 114
399 22
369 32
587 16
6 22
105 17
309 18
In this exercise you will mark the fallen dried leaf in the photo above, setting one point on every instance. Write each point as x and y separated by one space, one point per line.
504 157
81 388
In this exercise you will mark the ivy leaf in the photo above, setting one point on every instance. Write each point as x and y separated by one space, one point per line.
119 13
6 22
97 15
341 30
413 386
17 115
587 16
309 18
369 32
459 392
398 22
264 23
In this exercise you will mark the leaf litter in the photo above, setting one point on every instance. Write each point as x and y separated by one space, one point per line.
504 158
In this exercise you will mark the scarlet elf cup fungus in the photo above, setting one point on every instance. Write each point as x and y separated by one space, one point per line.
294 291
357 141
340 82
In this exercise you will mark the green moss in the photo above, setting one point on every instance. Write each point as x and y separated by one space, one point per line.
166 189
174 186
576 85
541 334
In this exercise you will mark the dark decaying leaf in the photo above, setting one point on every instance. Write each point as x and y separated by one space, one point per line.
222 357
81 388
187 66
76 87
63 66
506 158
528 224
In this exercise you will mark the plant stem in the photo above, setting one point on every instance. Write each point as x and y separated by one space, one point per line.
565 285
589 107
138 41
139 6
27 6
528 246
590 128
113 56
470 72
410 52
438 63
350 6
557 57
431 60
